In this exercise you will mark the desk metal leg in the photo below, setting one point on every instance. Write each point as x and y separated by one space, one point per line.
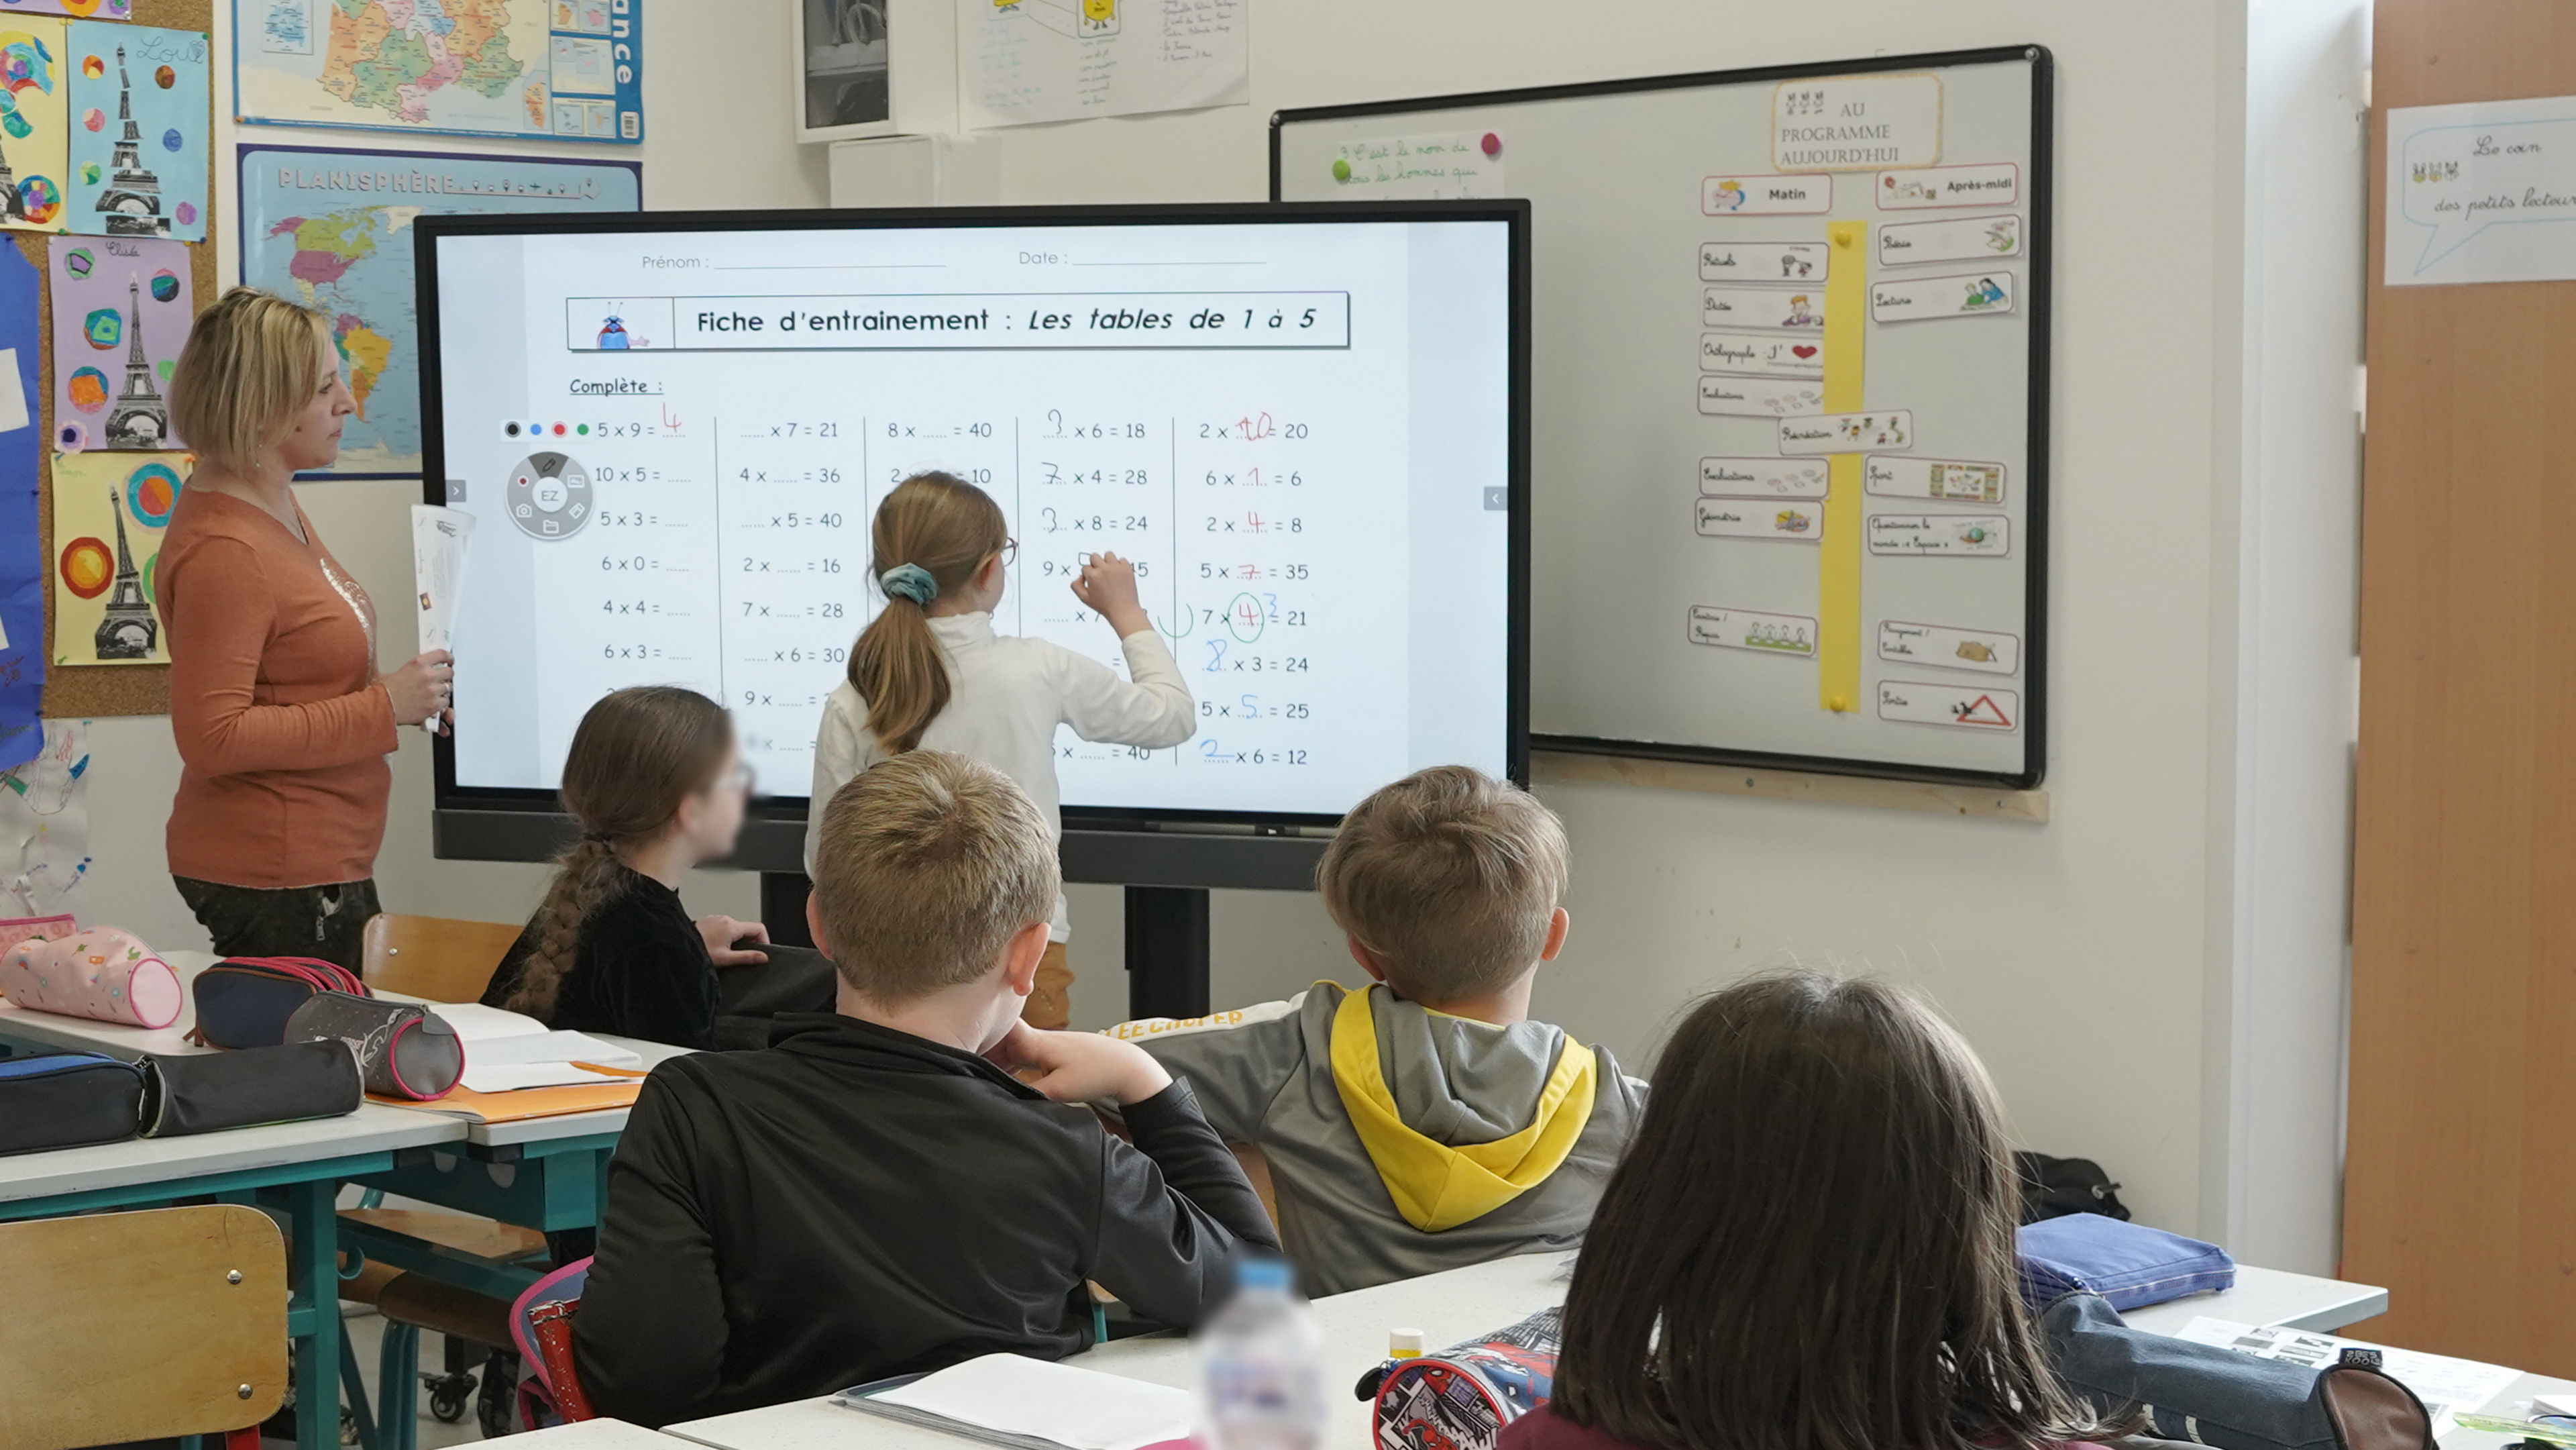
314 1274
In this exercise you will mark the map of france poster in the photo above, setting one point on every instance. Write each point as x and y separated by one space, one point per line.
332 229
572 70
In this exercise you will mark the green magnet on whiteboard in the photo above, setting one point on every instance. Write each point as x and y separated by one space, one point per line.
1341 171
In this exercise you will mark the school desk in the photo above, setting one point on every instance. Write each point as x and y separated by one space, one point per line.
597 1435
546 1173
296 1168
540 1173
1447 1308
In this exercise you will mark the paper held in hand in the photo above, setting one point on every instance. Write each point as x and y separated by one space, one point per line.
439 537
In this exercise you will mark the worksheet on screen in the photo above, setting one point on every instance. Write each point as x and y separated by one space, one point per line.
675 443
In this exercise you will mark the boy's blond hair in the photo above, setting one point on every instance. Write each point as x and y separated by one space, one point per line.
1450 878
927 866
251 363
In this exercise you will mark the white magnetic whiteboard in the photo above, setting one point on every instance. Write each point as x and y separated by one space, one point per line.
1789 382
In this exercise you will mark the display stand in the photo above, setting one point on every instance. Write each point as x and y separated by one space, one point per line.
1167 940
1167 874
1167 951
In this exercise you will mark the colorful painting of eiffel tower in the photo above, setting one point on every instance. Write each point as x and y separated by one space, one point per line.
141 418
131 201
128 631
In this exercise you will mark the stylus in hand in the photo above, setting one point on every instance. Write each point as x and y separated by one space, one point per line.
1107 586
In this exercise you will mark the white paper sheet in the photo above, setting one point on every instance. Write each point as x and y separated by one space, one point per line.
1030 61
1083 1409
2446 1386
439 539
547 1047
13 393
2483 192
477 1025
509 1077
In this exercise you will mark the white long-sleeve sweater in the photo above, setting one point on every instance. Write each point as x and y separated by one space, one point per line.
1007 695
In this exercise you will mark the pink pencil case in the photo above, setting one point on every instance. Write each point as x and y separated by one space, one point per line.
106 974
18 928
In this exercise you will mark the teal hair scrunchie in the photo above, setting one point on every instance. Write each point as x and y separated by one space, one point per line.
909 581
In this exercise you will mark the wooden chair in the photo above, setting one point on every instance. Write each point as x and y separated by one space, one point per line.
438 958
141 1326
441 959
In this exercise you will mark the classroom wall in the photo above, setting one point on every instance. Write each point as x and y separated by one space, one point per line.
2155 975
2133 971
706 146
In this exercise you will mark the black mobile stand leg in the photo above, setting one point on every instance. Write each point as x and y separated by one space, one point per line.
1167 951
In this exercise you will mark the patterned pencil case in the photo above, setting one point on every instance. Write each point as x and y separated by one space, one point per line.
18 928
404 1050
212 1091
105 974
67 1100
245 1001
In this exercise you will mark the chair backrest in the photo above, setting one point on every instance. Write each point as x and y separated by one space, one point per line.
434 957
140 1326
555 1394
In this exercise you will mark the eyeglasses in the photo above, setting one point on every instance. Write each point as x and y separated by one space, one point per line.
742 778
1010 552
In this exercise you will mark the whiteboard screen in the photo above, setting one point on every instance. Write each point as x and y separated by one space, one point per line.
1788 399
673 432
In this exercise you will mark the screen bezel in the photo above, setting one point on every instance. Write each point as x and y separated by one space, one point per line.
1514 214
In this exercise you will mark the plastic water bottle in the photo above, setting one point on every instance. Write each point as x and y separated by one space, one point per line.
1261 1366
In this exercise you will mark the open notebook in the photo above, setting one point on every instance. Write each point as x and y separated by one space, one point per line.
509 1051
1031 1404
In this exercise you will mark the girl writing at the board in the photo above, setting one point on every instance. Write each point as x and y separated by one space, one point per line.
930 671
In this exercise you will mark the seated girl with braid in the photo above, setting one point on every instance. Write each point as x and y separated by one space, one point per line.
657 785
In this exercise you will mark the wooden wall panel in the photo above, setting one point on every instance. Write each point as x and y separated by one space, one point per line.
2460 1180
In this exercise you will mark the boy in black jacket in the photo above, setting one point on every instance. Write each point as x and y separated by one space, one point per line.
876 1194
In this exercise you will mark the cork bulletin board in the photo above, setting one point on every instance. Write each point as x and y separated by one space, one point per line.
93 690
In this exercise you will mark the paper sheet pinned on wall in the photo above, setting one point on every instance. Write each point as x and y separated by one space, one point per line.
44 825
109 512
141 153
122 309
35 113
2483 192
22 546
1021 62
1437 166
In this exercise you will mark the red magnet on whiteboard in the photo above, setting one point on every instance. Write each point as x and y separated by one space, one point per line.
1493 144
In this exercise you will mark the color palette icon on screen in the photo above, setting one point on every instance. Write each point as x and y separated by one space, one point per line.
523 428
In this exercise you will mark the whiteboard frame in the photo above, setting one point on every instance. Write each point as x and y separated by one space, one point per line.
493 822
2038 291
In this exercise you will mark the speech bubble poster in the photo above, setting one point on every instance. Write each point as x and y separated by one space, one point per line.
2482 192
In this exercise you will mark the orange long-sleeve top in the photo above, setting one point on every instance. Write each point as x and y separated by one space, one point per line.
282 727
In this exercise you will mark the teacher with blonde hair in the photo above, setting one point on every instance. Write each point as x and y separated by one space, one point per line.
283 723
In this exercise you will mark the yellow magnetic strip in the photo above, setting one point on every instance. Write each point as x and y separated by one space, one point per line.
1838 631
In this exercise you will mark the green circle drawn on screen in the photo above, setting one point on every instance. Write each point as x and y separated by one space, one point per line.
1341 171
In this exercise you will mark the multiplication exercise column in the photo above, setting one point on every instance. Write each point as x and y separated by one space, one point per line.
618 498
791 524
1246 554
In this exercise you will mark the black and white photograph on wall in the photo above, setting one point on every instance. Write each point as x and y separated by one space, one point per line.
841 49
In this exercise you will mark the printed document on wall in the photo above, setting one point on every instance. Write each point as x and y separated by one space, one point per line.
2482 192
1021 62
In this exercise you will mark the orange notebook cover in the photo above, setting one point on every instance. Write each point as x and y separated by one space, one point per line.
544 1102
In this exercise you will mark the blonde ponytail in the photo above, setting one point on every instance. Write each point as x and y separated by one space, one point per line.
931 537
636 757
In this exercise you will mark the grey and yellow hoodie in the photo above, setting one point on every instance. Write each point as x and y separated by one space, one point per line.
1403 1141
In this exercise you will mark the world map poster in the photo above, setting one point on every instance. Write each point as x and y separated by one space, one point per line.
333 229
572 70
